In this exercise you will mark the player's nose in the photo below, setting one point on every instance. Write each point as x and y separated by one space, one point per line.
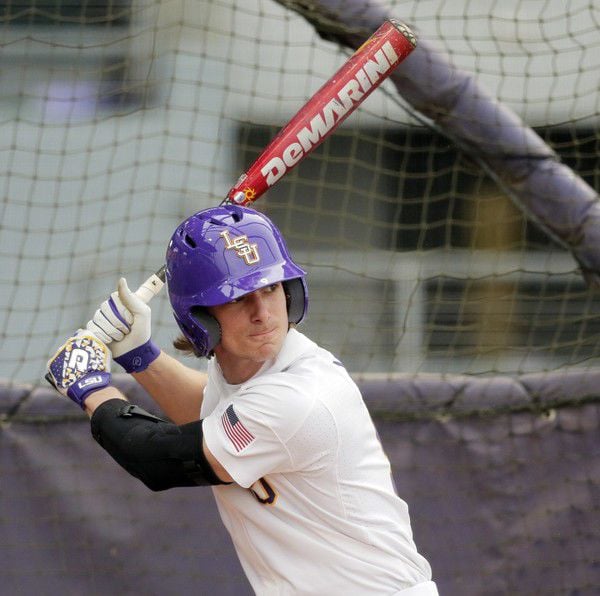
259 307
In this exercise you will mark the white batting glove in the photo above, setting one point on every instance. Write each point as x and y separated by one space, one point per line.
124 323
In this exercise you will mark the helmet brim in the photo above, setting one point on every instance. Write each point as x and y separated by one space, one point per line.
232 289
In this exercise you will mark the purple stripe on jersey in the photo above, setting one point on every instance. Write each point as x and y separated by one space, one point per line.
237 433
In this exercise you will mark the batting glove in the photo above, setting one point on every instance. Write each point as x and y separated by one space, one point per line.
79 367
124 323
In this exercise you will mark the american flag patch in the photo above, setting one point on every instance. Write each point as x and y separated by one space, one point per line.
238 434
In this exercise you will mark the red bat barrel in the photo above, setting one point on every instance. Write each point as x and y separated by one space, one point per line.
361 74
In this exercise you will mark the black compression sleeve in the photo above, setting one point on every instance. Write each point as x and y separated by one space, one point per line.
161 454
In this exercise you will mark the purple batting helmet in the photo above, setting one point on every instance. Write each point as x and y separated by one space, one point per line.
219 255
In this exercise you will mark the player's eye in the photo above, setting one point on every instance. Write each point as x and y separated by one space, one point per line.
237 300
272 288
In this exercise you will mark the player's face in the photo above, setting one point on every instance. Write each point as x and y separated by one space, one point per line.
253 329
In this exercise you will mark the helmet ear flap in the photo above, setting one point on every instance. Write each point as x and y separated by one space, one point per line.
295 293
210 327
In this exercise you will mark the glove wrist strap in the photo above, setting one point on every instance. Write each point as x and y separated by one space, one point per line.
89 383
138 359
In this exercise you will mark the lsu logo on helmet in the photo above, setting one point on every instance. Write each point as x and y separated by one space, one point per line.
242 246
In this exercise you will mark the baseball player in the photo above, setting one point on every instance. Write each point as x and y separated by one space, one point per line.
276 426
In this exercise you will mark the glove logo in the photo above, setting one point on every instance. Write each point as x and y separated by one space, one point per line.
243 248
78 360
81 354
95 380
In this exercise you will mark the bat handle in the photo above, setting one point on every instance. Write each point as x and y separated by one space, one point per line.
152 286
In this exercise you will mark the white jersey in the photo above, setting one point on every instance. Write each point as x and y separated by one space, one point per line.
314 510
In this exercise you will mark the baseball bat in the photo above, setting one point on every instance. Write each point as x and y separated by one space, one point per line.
357 78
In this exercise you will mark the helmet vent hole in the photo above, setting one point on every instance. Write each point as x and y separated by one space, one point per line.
236 213
190 241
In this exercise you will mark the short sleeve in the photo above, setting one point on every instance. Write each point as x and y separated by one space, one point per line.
249 435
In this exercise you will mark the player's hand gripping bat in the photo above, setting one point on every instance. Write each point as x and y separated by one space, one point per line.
358 77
